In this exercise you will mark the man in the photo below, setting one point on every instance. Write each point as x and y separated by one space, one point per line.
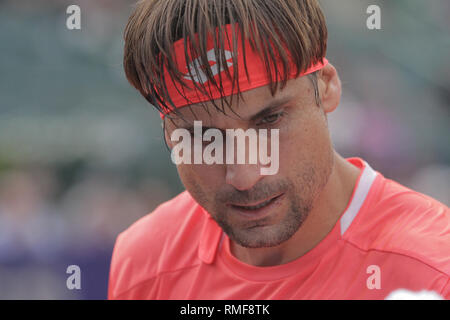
320 226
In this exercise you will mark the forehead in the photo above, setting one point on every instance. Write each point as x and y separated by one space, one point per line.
243 108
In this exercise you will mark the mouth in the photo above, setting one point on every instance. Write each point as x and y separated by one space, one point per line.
258 209
257 205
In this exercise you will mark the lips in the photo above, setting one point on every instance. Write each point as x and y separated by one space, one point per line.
255 206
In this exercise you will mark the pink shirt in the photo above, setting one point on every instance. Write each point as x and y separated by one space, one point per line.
389 237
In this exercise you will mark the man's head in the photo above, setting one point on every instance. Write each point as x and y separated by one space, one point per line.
289 36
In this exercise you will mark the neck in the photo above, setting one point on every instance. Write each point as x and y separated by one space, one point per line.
327 209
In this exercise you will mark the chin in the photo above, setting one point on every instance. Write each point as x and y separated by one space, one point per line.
261 237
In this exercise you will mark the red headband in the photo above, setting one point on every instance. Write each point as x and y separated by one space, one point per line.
255 66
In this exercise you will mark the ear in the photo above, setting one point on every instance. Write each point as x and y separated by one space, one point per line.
329 88
167 139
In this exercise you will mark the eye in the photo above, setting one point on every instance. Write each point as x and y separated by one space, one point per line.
196 134
271 119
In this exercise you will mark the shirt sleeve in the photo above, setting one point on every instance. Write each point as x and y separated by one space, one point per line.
126 280
113 272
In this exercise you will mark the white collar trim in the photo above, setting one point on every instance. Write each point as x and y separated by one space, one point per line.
362 189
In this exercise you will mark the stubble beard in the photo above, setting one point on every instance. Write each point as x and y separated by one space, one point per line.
261 234
300 198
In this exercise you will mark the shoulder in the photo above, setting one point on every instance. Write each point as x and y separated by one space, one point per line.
162 241
404 222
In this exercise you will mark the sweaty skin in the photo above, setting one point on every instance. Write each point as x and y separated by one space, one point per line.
314 183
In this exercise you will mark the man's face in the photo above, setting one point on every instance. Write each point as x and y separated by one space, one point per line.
263 210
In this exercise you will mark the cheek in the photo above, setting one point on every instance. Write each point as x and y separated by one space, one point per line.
202 181
304 143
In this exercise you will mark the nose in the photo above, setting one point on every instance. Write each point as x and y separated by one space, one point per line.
243 176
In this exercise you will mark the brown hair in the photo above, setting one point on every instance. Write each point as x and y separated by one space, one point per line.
271 27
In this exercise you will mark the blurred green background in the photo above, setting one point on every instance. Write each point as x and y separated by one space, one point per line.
82 155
